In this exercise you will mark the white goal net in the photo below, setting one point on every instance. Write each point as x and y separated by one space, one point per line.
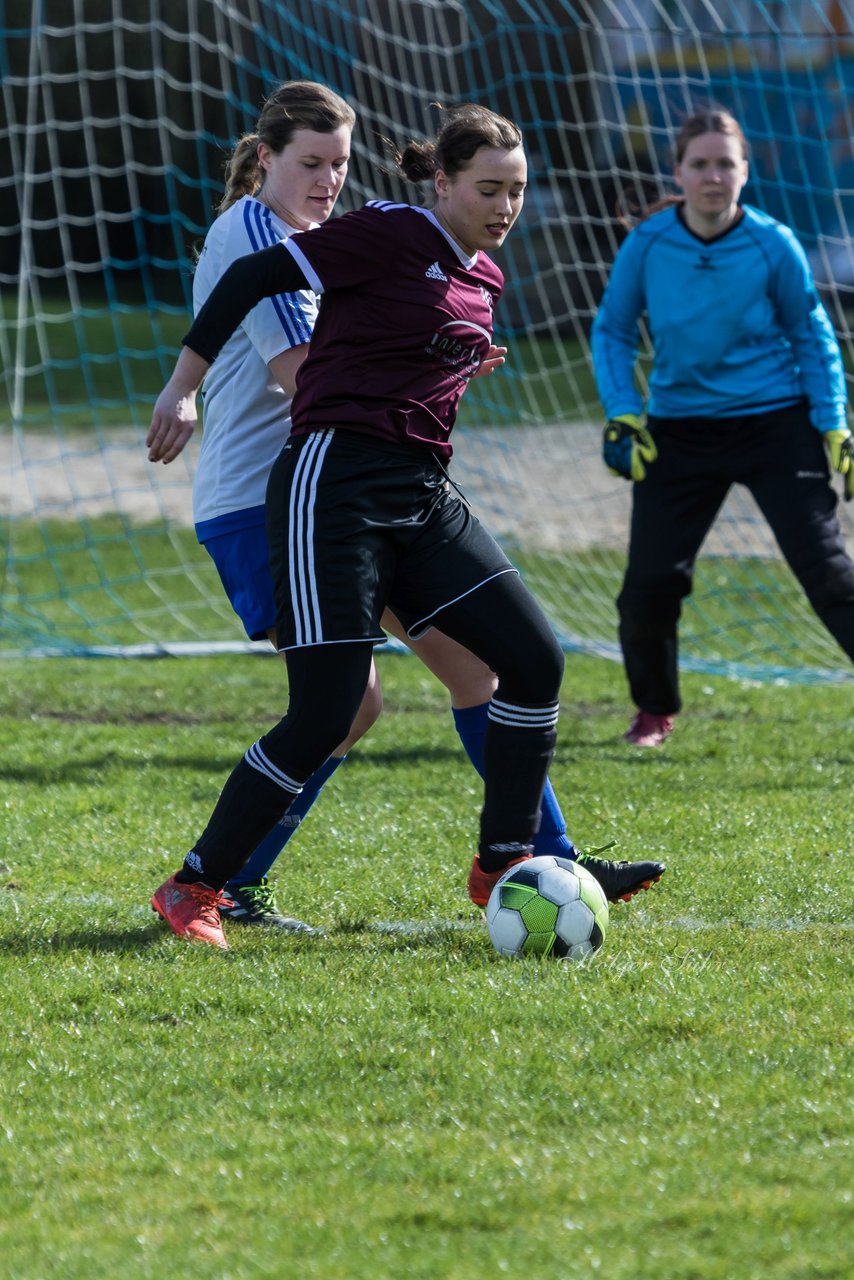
118 119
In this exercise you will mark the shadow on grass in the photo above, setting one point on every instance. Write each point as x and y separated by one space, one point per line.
618 753
86 771
95 941
406 935
663 765
385 936
93 768
403 754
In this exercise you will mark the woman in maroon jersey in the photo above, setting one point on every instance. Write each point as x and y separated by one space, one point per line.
283 177
360 512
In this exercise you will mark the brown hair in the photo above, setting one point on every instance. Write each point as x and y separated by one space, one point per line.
296 104
712 120
715 120
467 128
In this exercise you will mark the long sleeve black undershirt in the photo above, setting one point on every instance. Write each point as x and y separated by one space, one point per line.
248 280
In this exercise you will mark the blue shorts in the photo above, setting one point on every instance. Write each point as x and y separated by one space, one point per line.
243 563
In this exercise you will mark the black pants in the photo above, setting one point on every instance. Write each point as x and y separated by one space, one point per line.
780 458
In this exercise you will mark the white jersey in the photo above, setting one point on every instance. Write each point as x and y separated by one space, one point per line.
246 412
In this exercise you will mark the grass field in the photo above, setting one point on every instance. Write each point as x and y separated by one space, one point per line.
393 1099
101 582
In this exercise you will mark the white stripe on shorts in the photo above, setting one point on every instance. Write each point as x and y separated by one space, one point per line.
308 622
258 760
523 717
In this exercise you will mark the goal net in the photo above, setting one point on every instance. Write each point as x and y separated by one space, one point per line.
118 119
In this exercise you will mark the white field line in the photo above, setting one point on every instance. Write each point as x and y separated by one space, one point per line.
15 902
689 923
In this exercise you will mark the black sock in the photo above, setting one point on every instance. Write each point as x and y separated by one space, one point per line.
188 876
516 762
249 806
495 857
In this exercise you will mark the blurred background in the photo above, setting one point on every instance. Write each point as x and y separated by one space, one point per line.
118 116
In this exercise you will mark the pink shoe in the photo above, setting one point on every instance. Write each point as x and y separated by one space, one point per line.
648 730
191 911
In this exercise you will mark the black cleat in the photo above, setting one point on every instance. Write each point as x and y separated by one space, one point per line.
256 904
620 881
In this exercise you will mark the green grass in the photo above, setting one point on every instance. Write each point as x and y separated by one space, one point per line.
746 615
394 1098
105 582
106 361
103 363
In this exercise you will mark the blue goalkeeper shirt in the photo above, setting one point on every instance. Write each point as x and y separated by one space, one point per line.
736 324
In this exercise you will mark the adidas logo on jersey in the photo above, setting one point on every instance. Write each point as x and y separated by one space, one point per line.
435 272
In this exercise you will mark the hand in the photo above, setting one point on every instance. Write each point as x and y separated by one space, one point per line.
493 360
172 423
840 446
175 417
626 446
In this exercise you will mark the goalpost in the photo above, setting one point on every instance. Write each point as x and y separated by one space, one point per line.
119 116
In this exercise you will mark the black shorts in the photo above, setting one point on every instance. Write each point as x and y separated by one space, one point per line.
356 526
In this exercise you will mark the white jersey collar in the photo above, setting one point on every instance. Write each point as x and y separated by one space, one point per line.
289 227
467 262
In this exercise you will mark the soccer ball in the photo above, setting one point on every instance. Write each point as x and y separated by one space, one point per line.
547 906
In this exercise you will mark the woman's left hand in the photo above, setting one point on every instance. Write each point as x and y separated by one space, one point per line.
493 360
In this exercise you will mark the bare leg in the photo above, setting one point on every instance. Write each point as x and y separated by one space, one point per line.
468 680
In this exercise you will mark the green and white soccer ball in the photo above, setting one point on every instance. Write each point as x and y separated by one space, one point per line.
547 906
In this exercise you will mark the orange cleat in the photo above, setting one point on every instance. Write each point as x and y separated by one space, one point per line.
481 883
191 911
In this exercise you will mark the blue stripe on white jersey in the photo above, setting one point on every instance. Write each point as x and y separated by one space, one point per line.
257 221
308 622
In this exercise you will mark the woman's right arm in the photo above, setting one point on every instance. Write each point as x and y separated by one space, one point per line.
614 337
174 418
248 280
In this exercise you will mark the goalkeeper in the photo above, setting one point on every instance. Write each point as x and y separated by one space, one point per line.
747 387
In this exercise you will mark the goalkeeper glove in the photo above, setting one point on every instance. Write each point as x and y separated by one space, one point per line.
627 446
840 446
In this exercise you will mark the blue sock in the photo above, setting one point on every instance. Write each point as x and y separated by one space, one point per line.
272 845
551 838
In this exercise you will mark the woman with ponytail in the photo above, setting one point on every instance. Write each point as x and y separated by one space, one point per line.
363 527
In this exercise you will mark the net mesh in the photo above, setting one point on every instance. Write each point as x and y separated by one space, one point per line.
119 118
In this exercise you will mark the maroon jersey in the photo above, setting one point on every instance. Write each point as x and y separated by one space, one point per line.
405 321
